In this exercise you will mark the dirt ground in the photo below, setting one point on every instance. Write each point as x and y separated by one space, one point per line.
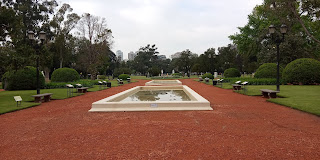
239 127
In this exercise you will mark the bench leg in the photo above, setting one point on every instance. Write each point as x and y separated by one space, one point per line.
47 98
273 95
84 91
265 94
37 99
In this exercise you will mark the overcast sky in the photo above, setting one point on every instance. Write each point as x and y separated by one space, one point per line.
173 25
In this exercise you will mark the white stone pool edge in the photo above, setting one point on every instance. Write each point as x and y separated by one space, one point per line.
111 103
163 83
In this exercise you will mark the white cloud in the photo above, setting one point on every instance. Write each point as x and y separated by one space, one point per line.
173 25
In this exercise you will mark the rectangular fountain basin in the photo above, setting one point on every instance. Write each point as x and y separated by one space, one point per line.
153 98
163 83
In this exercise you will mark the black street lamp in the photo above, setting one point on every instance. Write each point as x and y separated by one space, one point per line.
42 36
211 56
277 40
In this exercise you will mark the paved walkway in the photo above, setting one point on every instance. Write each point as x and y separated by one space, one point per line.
239 127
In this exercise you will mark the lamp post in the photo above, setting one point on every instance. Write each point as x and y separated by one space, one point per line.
211 56
42 37
278 40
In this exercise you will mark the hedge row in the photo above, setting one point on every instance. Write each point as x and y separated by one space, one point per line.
84 83
254 81
173 77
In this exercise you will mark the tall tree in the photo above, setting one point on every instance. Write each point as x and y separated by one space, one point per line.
96 40
62 23
30 15
185 61
146 58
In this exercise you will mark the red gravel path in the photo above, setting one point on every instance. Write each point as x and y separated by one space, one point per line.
1 90
239 127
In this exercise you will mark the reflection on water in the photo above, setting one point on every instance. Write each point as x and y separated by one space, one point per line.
158 95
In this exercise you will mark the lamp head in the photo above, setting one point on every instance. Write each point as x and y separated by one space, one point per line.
272 29
283 29
42 36
31 35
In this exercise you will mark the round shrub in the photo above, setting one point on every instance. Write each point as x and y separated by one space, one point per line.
64 75
101 77
304 70
232 72
207 75
267 70
119 71
123 76
177 74
23 79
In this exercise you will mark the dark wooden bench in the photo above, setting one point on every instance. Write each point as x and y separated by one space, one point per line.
237 87
82 89
267 93
38 97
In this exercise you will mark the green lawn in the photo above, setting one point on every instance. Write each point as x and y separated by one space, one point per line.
8 104
305 98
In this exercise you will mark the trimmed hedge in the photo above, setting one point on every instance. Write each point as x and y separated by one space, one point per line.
23 79
304 70
177 74
65 75
267 70
208 75
124 76
84 83
101 77
118 71
232 72
253 81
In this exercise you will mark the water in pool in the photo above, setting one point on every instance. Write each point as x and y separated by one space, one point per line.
158 95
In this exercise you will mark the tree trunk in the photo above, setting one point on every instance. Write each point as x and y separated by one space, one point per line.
47 74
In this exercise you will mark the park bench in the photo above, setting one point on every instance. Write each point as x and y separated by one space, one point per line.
129 80
120 81
200 79
82 89
267 93
206 79
69 90
18 99
236 87
38 97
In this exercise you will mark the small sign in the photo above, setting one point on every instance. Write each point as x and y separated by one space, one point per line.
154 105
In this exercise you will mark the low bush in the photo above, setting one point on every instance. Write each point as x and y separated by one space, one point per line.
267 70
304 70
101 77
65 75
119 71
254 81
170 77
124 76
232 72
84 83
23 79
177 74
207 75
